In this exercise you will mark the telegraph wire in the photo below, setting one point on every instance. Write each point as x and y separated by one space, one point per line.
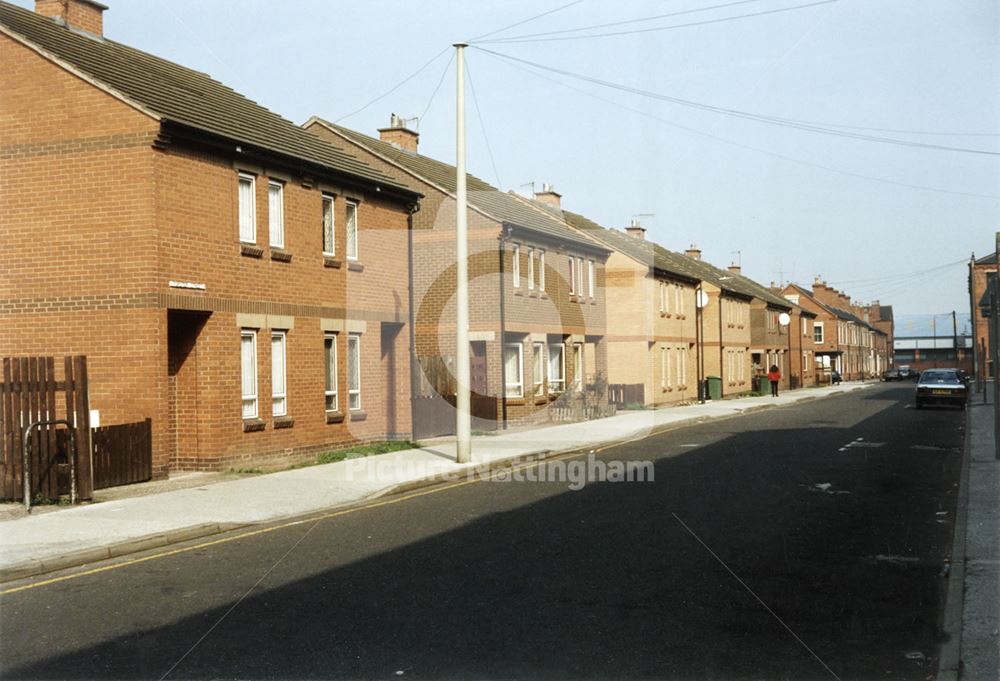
890 277
396 86
524 21
783 157
517 39
737 113
444 73
482 125
623 23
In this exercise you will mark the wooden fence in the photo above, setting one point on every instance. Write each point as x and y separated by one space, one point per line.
621 394
123 454
28 395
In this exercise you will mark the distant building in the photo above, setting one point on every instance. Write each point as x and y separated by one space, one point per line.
930 341
978 271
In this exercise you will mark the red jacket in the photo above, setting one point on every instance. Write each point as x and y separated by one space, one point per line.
774 375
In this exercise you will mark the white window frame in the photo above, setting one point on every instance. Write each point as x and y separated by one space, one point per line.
538 365
678 299
331 201
557 384
578 365
352 231
591 276
354 360
663 297
681 357
664 367
531 268
247 223
279 396
515 268
541 270
579 276
818 326
276 214
331 396
248 392
513 390
572 275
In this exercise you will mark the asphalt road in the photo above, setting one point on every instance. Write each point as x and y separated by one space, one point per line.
733 564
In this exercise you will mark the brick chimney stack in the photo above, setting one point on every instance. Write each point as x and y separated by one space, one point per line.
398 135
693 252
736 269
636 230
549 196
83 15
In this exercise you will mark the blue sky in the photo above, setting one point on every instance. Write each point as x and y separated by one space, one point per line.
931 66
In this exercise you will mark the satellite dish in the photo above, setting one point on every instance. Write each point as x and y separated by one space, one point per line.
701 298
783 319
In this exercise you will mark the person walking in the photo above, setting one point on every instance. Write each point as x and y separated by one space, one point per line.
774 375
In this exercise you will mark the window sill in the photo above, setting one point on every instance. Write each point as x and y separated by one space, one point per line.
283 422
334 417
280 255
329 261
541 399
355 267
359 415
251 251
543 296
253 425
515 401
518 292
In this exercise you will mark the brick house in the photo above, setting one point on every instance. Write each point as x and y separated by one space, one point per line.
979 269
651 316
770 340
862 355
536 287
227 274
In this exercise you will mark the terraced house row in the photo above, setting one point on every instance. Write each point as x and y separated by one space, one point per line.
260 291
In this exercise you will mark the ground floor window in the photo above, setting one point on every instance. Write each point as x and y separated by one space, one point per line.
538 365
330 361
578 366
354 372
279 394
248 367
513 370
557 367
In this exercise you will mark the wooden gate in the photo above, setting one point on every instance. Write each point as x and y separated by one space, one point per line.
123 454
27 395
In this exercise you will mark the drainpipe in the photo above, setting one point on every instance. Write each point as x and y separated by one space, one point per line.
504 235
722 364
414 364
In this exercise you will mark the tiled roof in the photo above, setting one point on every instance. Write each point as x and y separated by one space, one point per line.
181 95
641 250
502 206
990 259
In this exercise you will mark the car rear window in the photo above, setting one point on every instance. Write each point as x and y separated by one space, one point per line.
939 377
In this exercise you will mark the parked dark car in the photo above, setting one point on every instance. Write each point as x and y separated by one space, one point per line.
942 386
835 377
891 375
908 374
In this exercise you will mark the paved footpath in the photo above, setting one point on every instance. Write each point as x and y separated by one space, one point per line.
979 556
53 541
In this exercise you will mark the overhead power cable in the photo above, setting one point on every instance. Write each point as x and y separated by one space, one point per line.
736 113
625 22
482 125
520 39
394 87
524 21
765 152
892 277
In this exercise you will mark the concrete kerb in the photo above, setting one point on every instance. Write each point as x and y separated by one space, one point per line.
33 568
950 659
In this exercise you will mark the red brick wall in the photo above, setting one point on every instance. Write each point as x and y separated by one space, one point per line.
95 223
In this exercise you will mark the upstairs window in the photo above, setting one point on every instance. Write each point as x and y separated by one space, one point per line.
579 276
572 275
516 266
541 270
352 230
329 244
248 209
818 332
591 274
531 269
276 213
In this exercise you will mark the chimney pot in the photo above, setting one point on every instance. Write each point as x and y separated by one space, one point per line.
398 135
693 252
636 230
736 269
83 15
549 196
